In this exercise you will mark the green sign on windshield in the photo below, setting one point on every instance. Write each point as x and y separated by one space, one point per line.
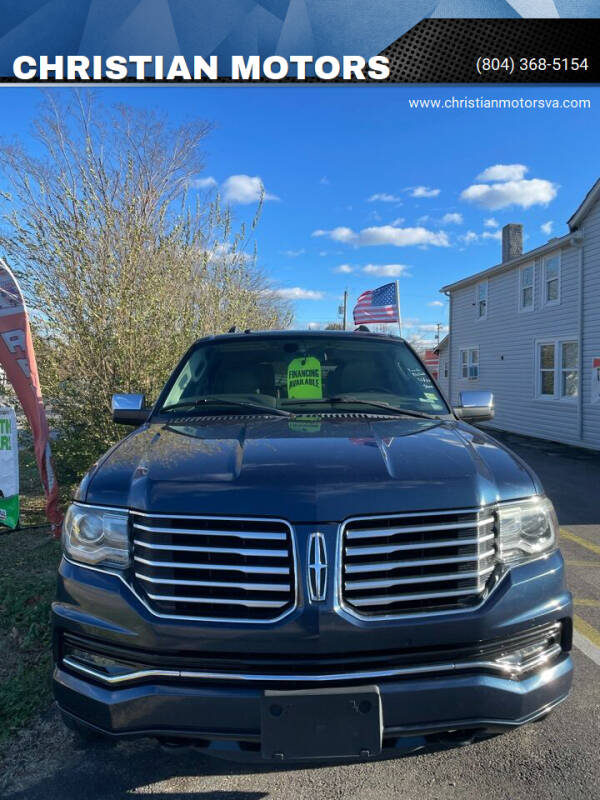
304 379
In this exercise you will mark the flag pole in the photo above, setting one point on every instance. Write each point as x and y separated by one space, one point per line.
398 306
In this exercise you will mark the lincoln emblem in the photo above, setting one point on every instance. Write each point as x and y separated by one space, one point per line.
317 567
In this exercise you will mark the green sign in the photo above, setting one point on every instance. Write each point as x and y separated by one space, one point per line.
9 469
9 511
304 379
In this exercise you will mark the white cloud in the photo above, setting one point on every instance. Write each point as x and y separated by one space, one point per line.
470 237
524 193
547 227
345 269
314 326
490 222
203 183
324 181
503 172
386 270
384 197
492 235
398 221
387 235
244 189
340 234
293 253
297 293
436 303
402 237
452 218
423 191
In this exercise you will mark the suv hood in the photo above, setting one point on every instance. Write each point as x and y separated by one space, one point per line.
310 469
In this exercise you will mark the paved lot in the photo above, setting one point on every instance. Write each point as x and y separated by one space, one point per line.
571 477
557 758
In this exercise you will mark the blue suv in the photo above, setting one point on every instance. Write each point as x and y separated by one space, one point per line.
302 552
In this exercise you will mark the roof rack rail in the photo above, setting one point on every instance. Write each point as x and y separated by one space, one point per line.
233 329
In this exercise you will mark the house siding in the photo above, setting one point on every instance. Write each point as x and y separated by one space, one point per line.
443 356
591 322
507 340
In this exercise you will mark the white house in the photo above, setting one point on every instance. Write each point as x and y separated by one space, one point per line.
528 329
443 367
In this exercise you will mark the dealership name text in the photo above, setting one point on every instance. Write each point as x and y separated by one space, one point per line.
197 68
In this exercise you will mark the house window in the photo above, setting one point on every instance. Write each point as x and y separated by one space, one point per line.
547 371
569 370
469 363
552 280
445 369
482 299
526 288
558 369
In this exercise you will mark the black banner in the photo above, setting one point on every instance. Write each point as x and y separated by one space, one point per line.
497 51
557 51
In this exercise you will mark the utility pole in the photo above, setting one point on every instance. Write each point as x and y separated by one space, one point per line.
437 334
345 310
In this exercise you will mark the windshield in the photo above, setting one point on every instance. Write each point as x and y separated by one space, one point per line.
298 373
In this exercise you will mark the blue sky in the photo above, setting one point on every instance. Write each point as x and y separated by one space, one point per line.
363 189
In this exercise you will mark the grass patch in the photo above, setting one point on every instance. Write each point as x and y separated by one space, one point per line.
29 561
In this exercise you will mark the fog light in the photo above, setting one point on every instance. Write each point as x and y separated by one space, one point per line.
533 655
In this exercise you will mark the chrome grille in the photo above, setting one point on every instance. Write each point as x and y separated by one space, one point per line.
417 562
214 568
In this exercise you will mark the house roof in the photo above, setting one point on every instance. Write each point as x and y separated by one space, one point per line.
582 211
441 344
553 244
559 241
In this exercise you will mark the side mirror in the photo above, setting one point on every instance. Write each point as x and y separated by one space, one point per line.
475 406
128 409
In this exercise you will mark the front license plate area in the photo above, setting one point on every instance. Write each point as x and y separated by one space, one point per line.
328 723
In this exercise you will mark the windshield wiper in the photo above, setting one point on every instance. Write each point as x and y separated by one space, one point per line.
226 402
348 398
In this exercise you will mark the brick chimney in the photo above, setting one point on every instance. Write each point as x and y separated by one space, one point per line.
512 241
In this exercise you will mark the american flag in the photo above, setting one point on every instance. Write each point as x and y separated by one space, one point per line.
377 305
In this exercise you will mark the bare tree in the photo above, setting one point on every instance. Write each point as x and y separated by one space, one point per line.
123 263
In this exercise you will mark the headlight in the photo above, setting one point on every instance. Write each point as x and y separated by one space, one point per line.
96 536
526 529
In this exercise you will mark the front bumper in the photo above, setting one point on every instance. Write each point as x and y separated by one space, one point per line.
227 719
184 700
